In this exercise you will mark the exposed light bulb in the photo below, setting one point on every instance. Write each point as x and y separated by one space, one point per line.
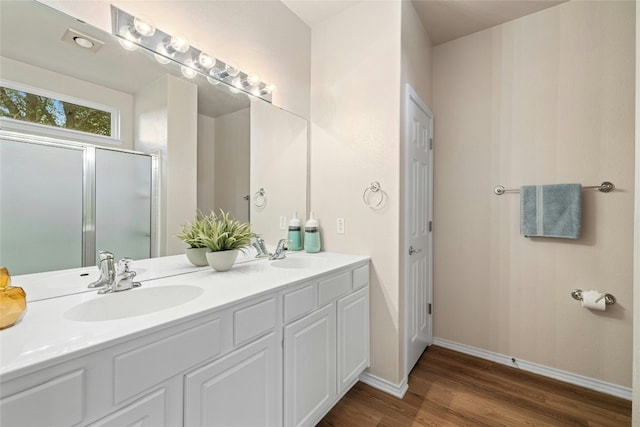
255 91
268 89
161 59
231 70
211 78
127 40
161 55
206 61
237 82
143 28
179 44
127 44
253 79
187 71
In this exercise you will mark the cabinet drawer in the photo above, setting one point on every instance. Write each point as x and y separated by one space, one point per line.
253 321
299 302
360 277
59 401
330 289
148 411
146 366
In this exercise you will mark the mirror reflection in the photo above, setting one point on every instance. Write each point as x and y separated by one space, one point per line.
213 149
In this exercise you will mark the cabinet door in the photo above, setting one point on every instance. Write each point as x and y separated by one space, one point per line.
309 367
353 338
146 412
243 388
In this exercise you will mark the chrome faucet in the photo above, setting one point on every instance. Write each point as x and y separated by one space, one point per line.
106 265
281 248
260 248
123 279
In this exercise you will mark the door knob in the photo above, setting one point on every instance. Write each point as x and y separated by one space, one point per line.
414 251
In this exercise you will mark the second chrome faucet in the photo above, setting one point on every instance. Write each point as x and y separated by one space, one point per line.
112 280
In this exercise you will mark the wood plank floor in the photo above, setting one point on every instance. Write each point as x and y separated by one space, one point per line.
447 388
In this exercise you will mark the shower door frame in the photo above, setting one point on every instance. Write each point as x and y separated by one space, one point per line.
89 188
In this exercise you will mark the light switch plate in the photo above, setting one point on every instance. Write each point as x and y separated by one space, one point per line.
340 225
283 223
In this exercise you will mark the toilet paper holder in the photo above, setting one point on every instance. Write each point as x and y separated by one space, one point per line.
609 299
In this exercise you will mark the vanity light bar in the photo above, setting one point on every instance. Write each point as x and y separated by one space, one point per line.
193 61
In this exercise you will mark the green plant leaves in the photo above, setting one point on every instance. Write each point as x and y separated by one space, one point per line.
216 232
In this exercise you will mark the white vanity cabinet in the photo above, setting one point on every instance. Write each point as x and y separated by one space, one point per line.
283 356
326 350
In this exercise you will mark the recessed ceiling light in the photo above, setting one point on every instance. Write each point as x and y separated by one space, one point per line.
82 42
76 38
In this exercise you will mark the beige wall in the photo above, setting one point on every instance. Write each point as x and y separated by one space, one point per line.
355 119
231 164
166 125
206 158
416 54
261 37
544 99
279 165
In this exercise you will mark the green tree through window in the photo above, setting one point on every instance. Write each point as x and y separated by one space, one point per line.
27 107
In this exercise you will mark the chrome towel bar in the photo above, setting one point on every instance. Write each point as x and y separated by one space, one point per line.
605 187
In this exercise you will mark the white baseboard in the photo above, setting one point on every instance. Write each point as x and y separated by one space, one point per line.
396 390
568 377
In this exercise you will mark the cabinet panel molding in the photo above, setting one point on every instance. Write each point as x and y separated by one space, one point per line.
139 369
253 321
59 401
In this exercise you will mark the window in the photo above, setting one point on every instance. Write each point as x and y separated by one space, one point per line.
49 110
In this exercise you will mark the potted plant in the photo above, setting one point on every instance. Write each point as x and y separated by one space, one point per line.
224 236
191 234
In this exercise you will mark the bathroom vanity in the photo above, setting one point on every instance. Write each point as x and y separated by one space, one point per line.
267 343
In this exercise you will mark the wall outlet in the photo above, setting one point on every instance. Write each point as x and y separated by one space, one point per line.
340 225
283 223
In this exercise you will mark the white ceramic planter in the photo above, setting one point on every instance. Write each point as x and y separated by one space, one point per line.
197 257
222 260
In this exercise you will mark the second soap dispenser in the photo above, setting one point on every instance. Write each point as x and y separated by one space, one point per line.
294 238
312 235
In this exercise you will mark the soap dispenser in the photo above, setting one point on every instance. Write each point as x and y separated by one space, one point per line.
294 238
13 301
312 235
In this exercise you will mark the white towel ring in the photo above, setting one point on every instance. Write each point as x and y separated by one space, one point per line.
373 188
260 198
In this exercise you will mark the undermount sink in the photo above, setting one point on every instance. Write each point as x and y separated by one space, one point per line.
298 263
134 302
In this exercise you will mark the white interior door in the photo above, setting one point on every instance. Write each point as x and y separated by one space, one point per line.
418 219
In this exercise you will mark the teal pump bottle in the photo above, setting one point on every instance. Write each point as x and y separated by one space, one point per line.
312 235
294 238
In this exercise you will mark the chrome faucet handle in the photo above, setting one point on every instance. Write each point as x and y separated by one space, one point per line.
106 265
124 265
123 279
281 248
260 248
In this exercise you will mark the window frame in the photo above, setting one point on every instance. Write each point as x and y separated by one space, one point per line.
25 126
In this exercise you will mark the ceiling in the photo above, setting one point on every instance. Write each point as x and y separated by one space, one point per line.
444 20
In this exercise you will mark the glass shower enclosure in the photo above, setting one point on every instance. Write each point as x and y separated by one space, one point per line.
60 202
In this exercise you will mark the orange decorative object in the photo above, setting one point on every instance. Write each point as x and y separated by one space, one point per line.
13 301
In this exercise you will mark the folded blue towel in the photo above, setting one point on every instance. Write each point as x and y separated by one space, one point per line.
551 210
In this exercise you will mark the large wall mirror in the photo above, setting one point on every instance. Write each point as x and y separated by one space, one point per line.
251 155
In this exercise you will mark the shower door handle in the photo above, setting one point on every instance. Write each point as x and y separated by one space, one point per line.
414 251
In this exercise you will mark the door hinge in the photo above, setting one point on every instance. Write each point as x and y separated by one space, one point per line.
430 225
430 143
429 308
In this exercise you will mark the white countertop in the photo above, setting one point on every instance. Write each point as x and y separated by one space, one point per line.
44 336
